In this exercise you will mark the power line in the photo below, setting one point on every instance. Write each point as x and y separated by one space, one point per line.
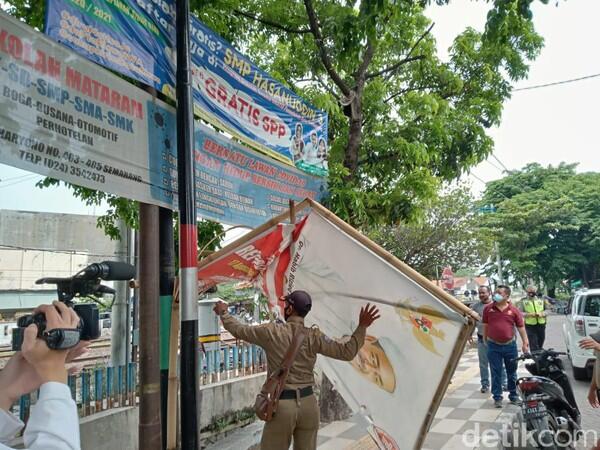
477 178
66 252
501 163
556 83
494 165
5 180
28 178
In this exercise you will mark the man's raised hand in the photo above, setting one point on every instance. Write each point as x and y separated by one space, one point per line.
368 315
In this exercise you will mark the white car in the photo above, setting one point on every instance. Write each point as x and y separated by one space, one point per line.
583 319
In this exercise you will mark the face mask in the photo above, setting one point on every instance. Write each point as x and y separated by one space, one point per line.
531 294
497 298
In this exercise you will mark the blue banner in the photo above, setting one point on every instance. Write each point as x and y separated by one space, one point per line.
132 38
233 93
137 39
234 185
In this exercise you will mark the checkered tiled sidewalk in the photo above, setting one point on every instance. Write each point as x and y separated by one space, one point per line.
463 409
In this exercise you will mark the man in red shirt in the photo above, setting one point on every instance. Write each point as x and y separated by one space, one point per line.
500 319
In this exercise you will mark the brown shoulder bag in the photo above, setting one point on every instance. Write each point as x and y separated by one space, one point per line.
267 399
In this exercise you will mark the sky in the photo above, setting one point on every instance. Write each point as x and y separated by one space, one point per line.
547 125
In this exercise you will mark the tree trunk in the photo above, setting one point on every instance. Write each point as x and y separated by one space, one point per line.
355 115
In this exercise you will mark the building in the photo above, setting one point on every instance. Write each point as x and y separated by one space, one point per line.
34 245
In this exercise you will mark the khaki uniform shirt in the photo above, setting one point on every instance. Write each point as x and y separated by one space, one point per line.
275 339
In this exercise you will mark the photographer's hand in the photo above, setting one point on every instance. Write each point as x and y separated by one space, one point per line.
19 377
49 364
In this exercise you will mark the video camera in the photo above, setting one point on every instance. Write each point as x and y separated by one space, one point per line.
83 284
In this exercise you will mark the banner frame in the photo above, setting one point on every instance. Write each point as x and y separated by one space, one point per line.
470 316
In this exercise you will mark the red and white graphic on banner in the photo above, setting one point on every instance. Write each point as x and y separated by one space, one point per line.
263 260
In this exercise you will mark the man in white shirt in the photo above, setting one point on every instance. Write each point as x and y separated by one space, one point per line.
53 423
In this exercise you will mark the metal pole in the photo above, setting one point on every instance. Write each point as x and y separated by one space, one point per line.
119 332
499 262
135 300
149 418
188 238
167 274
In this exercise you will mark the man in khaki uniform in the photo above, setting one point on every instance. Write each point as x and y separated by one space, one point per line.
297 413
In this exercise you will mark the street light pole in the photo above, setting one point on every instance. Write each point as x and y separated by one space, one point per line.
188 238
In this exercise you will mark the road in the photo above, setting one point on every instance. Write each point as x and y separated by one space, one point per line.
554 339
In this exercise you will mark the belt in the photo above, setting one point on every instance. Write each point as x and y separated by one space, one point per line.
501 343
290 394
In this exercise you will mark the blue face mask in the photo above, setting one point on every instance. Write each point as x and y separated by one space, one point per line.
497 298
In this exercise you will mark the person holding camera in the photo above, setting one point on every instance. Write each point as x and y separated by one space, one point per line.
53 423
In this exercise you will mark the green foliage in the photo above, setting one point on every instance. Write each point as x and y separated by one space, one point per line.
402 122
448 235
32 12
546 224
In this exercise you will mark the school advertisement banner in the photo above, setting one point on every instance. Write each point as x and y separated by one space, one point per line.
234 185
130 37
64 117
137 38
233 93
408 354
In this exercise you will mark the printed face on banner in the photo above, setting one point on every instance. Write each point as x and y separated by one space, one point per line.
406 351
233 92
137 38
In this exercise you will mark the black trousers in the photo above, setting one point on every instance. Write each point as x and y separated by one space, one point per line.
536 335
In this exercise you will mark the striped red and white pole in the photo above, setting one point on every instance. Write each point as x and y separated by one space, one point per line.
188 239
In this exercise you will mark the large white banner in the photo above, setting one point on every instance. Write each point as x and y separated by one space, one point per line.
398 377
395 376
65 117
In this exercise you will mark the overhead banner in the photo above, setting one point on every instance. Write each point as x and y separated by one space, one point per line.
233 93
234 184
137 38
130 37
409 353
64 117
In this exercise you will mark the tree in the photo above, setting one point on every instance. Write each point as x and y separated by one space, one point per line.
401 120
546 224
447 236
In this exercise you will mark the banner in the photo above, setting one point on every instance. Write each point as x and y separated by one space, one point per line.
131 37
235 185
408 353
64 117
233 93
137 38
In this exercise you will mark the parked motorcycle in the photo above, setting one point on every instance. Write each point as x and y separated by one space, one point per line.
548 404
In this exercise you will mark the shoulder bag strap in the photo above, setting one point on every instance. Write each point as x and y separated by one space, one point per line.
293 349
